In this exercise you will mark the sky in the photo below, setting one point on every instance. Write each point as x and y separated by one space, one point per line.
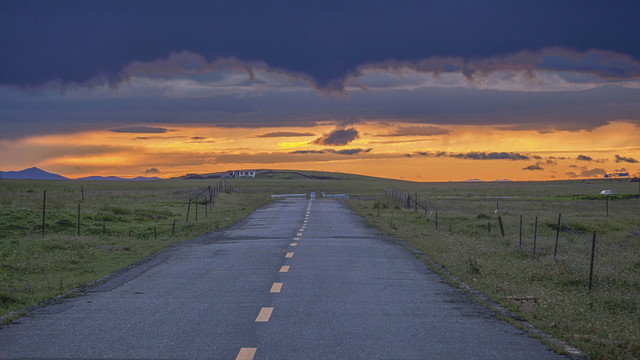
414 90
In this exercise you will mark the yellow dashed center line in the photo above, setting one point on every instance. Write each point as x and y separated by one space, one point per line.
265 314
276 287
246 354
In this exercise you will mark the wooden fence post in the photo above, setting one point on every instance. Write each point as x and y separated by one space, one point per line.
173 228
188 209
555 249
520 239
44 210
535 237
593 251
78 219
501 226
210 198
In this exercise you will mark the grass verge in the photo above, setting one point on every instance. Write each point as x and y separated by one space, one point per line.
120 223
550 293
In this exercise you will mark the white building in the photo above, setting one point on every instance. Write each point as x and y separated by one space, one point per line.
243 173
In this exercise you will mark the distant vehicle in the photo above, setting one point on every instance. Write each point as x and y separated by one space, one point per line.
606 192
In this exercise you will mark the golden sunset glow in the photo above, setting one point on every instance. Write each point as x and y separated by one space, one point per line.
458 152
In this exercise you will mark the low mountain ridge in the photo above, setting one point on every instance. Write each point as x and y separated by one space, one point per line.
31 174
38 174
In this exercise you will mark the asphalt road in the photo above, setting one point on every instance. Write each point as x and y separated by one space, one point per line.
297 279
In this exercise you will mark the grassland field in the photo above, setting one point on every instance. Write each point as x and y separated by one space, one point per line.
123 222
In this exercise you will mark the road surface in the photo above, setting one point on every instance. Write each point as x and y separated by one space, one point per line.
298 279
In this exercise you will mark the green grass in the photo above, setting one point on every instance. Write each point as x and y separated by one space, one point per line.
120 223
552 294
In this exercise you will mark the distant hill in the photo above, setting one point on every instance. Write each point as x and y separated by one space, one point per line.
37 174
115 178
283 175
496 180
292 174
30 174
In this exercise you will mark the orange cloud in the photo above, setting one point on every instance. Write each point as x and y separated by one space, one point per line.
459 153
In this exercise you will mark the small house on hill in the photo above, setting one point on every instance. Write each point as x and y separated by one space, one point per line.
242 173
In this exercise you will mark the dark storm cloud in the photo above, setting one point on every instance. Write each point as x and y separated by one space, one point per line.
168 62
153 137
593 172
515 110
492 156
338 137
603 64
332 151
200 140
533 167
305 152
76 41
283 134
403 141
140 130
152 171
625 159
351 151
584 158
586 172
417 131
473 155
